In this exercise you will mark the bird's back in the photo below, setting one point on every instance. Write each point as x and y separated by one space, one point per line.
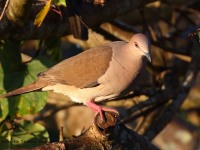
81 70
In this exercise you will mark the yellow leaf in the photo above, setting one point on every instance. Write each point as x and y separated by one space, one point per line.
42 14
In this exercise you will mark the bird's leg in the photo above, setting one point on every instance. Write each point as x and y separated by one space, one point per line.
98 109
95 108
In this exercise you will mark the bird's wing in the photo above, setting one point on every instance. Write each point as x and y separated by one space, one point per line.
82 70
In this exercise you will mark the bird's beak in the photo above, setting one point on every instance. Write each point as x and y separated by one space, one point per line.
148 56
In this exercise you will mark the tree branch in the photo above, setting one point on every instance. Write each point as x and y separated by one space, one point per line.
159 124
110 134
53 26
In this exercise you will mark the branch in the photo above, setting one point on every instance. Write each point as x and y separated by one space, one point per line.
53 26
159 124
110 134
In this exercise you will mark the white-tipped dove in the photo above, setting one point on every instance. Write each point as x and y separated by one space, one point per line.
101 73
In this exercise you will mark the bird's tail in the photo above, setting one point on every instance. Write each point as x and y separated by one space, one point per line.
26 89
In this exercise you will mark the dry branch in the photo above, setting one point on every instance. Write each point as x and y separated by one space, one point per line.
111 134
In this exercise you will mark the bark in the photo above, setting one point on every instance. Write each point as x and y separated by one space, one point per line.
109 134
17 22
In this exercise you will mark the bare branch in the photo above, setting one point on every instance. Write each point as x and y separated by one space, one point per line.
158 125
110 134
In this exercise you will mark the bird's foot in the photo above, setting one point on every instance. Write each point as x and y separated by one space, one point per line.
98 109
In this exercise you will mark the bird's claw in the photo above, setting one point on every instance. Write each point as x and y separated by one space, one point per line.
101 110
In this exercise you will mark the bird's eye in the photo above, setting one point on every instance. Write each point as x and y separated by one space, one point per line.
136 45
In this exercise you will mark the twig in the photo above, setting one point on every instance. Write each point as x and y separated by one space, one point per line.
4 9
142 113
159 98
130 28
183 91
61 134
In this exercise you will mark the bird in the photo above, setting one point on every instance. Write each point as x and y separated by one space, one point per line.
105 72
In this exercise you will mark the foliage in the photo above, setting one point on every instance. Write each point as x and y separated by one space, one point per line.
44 11
42 14
60 2
15 74
24 134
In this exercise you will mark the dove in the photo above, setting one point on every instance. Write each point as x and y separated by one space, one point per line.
104 72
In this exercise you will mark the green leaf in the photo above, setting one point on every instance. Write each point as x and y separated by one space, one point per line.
10 56
23 135
3 109
60 2
10 63
26 103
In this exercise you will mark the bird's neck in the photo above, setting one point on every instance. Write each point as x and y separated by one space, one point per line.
134 59
132 54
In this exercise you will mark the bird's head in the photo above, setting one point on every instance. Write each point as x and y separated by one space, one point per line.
141 43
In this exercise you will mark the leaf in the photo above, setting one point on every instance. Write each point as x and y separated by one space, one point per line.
10 62
60 2
42 14
23 135
4 111
26 103
10 56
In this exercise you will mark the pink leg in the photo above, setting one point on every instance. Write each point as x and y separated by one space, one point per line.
99 109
